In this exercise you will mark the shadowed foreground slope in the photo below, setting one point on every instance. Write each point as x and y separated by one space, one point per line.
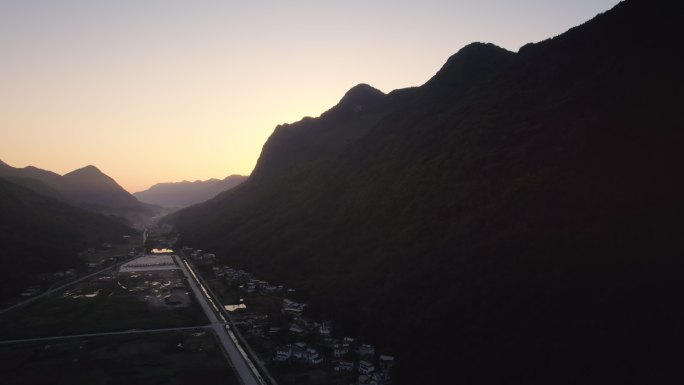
39 234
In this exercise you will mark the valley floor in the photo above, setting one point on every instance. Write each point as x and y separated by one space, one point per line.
137 326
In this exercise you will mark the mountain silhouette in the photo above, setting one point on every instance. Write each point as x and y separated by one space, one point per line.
90 187
86 188
292 147
185 193
515 219
47 177
359 98
474 64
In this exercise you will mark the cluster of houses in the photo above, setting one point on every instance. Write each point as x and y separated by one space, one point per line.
380 375
292 308
371 371
344 355
342 349
298 352
240 277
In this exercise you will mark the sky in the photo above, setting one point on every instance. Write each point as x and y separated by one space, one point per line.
166 90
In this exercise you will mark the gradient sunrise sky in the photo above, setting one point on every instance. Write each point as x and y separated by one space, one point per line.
159 90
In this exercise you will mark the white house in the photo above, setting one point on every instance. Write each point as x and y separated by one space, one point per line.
344 366
366 350
283 353
386 362
366 367
313 356
340 350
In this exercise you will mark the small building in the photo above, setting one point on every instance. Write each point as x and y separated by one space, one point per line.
313 357
296 330
386 362
340 350
271 289
344 366
366 367
324 329
301 345
283 353
349 340
30 291
298 352
366 380
367 350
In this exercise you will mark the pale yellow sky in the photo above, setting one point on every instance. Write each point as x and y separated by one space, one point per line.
160 91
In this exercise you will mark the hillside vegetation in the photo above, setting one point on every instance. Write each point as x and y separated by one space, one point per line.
516 219
39 234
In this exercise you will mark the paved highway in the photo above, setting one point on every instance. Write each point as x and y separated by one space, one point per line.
241 363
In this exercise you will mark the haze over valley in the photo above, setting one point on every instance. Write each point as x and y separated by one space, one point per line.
183 194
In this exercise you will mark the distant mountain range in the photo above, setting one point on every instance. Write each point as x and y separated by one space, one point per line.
183 194
87 188
41 234
516 219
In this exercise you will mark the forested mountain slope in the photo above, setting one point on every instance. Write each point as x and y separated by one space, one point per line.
515 219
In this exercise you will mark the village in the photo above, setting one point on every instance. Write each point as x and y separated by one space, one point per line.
294 347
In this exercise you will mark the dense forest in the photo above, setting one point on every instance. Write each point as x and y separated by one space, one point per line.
516 219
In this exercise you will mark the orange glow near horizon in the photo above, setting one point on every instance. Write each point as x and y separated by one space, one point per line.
168 91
